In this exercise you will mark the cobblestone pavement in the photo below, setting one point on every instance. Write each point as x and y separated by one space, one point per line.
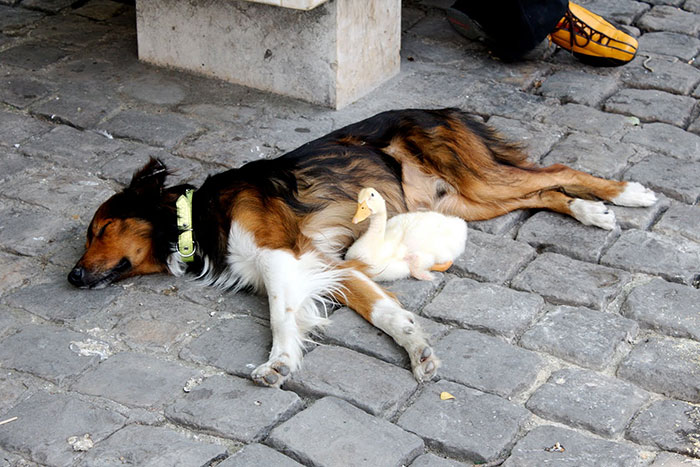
552 334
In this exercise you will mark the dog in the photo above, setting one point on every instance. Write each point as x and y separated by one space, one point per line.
281 226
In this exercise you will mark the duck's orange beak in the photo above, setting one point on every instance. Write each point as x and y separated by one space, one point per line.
362 212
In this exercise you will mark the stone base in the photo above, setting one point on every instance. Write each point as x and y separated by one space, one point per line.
330 55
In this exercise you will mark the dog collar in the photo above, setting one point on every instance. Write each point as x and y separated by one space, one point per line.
185 240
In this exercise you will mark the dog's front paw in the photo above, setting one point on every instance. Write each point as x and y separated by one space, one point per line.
272 374
424 364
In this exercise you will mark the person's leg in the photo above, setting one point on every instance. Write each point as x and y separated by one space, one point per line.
510 27
514 27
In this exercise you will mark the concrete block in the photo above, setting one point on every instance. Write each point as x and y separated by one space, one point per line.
151 445
535 450
333 432
335 371
330 55
45 422
474 425
233 408
669 425
665 365
588 400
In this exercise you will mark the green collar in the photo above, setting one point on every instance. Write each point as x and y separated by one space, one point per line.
185 240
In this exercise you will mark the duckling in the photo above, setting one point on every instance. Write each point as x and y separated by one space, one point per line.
410 244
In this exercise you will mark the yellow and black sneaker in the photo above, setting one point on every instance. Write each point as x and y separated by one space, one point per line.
593 40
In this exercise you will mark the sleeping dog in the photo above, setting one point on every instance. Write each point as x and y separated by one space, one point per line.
281 226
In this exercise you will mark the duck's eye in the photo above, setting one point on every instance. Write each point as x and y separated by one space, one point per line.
372 195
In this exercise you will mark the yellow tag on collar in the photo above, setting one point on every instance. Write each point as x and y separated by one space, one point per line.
185 240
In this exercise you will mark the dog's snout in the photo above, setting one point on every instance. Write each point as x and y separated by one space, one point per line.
76 276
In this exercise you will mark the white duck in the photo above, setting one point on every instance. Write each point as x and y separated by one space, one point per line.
413 243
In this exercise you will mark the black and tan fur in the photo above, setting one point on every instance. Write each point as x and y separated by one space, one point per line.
302 203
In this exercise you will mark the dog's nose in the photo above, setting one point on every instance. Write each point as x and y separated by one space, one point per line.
75 277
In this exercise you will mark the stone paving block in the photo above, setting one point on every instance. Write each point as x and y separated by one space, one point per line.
235 345
350 330
227 303
59 301
578 87
20 91
670 74
333 432
46 421
49 6
670 19
549 231
537 139
154 322
414 294
34 231
375 386
15 128
152 445
588 400
680 219
562 280
16 386
233 408
31 56
12 20
473 426
665 307
59 189
580 335
487 363
640 218
669 425
651 106
588 120
75 148
253 455
135 379
45 351
500 225
666 459
11 460
101 10
69 29
675 178
665 365
491 258
16 271
535 450
596 155
228 148
487 307
673 258
156 87
667 139
674 44
432 460
11 163
165 129
486 97
81 104
620 12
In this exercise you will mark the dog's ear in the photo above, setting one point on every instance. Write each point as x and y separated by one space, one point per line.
151 177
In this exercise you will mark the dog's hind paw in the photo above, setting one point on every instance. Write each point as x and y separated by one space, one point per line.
635 195
272 374
593 213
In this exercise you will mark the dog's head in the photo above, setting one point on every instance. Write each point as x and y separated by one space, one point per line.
123 234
